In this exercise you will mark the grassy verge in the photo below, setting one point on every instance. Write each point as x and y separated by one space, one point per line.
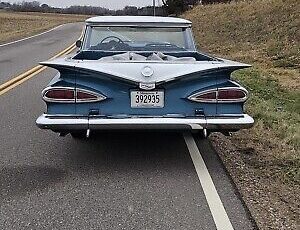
15 26
266 34
276 110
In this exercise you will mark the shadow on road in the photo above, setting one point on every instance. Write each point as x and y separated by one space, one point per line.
127 151
20 180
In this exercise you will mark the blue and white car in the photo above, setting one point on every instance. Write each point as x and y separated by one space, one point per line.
142 73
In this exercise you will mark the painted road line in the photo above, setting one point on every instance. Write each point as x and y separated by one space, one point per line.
30 73
4 88
213 199
24 39
22 80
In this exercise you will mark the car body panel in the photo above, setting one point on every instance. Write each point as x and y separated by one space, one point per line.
162 71
113 79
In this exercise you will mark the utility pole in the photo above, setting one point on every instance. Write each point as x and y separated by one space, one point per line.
154 8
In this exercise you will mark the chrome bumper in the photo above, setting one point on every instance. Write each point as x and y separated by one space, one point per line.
68 123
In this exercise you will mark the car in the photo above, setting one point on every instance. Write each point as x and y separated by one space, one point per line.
142 72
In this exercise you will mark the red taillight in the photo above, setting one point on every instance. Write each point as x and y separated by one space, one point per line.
209 96
59 94
68 95
230 94
84 96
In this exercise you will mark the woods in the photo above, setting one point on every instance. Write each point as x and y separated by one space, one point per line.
168 7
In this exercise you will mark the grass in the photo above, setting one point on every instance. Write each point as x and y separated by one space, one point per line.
277 113
268 30
15 25
276 107
263 161
266 34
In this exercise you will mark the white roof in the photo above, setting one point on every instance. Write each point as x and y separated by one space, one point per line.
138 20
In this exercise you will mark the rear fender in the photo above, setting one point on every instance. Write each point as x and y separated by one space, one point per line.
64 78
222 81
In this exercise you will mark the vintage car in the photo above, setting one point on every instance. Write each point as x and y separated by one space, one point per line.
142 73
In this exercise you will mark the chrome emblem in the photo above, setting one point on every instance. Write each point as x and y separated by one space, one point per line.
147 86
147 71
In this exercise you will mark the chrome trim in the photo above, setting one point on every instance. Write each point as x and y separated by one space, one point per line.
60 123
241 87
147 86
194 96
100 97
83 123
230 123
233 100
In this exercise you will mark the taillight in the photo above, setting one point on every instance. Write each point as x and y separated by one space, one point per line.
227 94
230 94
88 96
59 95
208 96
70 95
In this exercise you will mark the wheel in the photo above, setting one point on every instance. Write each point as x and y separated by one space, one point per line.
78 135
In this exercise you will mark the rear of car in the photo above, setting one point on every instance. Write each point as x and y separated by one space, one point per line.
143 73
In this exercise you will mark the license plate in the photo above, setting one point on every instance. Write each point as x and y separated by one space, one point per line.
147 99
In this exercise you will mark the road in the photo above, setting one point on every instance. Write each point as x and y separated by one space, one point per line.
114 180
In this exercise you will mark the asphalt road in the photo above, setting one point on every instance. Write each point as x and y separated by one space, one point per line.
21 56
116 180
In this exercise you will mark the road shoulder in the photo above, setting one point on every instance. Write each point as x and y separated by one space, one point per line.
266 197
234 205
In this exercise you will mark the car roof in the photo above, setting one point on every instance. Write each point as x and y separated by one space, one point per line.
138 20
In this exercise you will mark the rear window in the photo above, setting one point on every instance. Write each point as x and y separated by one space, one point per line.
138 38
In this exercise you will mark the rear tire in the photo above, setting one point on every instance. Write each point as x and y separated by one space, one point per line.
78 135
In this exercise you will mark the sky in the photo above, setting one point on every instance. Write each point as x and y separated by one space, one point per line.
111 4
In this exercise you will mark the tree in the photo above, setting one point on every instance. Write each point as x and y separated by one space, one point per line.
130 10
45 6
178 6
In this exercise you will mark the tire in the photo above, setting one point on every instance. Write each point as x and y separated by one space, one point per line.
78 135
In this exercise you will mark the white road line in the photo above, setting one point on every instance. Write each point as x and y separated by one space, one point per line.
24 39
217 209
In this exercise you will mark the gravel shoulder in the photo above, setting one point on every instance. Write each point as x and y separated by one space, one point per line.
273 203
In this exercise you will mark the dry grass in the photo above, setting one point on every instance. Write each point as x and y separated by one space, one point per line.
267 29
266 34
15 26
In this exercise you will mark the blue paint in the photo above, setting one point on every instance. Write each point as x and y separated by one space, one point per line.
118 95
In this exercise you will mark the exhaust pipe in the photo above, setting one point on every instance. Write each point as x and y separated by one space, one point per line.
88 132
205 134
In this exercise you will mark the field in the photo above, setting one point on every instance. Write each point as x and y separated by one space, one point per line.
15 26
264 161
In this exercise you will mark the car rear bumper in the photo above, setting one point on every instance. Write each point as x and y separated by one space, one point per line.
69 123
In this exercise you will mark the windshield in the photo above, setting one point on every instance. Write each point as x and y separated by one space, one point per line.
138 39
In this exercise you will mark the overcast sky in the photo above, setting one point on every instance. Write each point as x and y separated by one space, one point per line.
111 4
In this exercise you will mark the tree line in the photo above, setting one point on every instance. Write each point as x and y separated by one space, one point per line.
169 7
35 6
178 6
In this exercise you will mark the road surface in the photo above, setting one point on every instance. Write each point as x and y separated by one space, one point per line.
114 180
